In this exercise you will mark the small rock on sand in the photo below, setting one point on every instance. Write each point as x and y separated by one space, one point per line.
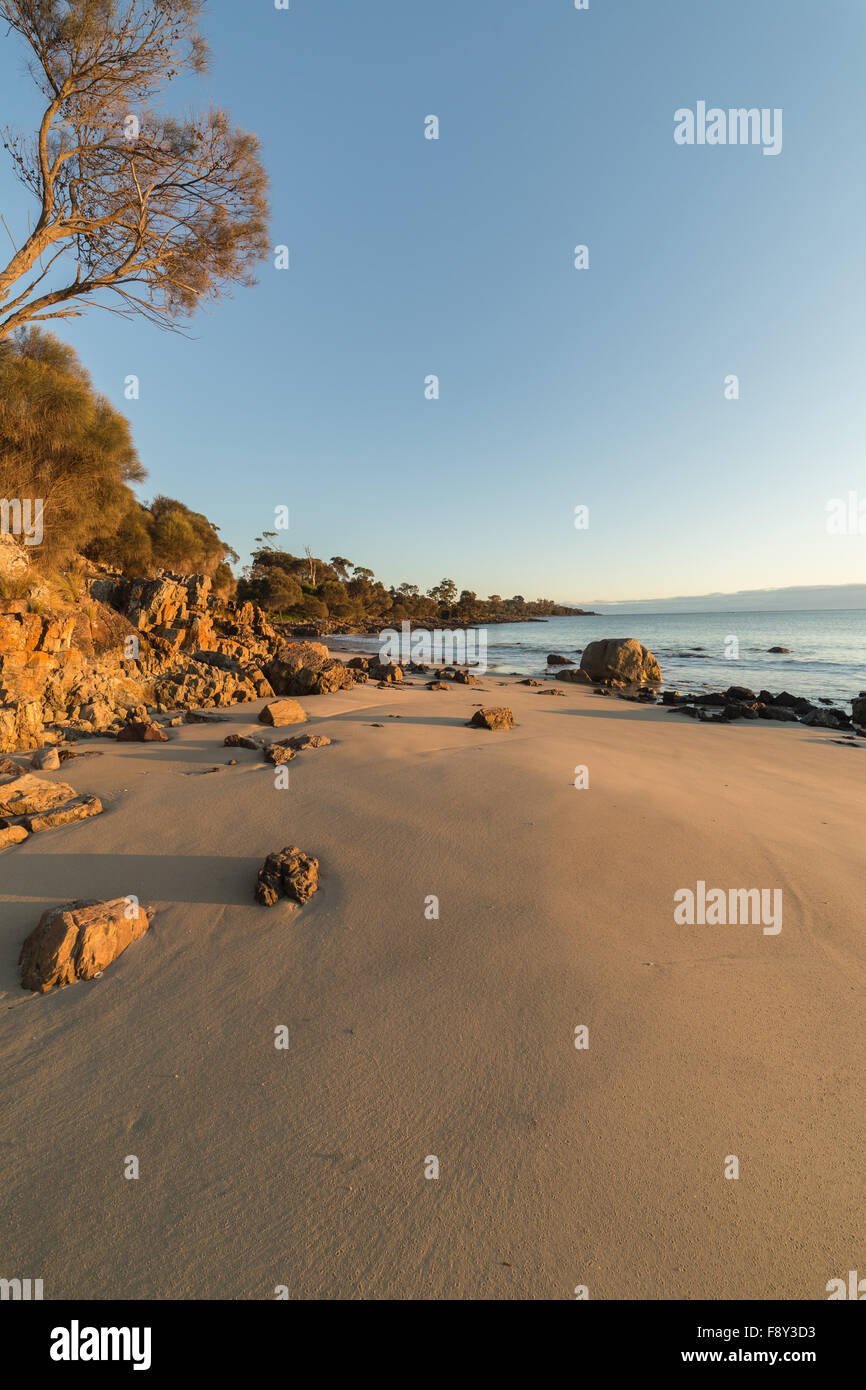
493 717
287 872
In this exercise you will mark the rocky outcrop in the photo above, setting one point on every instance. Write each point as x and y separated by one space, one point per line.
622 659
494 717
28 795
287 873
79 940
82 808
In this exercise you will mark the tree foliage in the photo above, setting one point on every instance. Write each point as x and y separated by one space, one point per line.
137 211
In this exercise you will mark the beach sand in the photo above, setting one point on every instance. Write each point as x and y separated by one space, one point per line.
410 1037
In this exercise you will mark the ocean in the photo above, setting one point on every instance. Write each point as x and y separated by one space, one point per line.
827 648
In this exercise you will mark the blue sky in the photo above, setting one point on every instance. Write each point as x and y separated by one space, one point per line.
559 387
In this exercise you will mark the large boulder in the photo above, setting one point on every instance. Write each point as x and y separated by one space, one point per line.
620 659
282 712
494 717
28 795
858 709
78 940
291 658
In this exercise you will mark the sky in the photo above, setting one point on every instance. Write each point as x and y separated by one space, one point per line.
559 388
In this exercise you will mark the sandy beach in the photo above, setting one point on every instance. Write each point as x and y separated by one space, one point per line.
452 1037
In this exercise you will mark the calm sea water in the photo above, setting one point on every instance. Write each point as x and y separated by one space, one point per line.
827 656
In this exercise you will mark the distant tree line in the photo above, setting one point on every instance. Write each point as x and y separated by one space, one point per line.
304 587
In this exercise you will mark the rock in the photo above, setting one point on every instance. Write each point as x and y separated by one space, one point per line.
301 741
142 733
196 717
291 658
326 679
82 808
574 676
826 719
463 678
282 712
287 872
29 795
780 712
11 835
858 709
359 663
797 703
437 685
8 768
529 681
278 754
739 692
555 660
494 717
387 674
241 741
671 697
79 940
48 759
620 658
779 649
560 693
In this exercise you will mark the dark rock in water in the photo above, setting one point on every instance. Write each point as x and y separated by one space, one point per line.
79 940
739 692
781 650
494 717
858 709
827 719
712 699
671 697
555 660
142 733
288 873
779 712
765 697
797 703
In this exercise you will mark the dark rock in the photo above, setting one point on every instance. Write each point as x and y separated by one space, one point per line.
289 873
142 733
779 649
556 660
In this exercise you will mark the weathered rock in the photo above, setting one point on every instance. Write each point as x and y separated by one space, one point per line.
574 676
79 940
240 741
529 681
437 685
560 693
141 732
80 809
278 754
325 679
493 717
740 692
8 768
301 741
29 795
464 678
620 658
291 658
11 835
287 872
47 759
282 712
555 660
826 719
858 709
